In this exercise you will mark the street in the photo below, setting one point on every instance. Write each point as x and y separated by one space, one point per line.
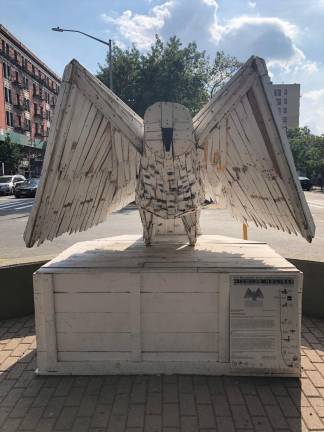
14 214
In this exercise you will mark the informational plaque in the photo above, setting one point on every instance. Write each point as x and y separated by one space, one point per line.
264 322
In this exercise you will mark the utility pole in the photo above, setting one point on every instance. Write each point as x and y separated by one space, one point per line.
110 66
109 43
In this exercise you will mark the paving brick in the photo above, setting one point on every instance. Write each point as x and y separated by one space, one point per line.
75 396
66 418
54 407
135 416
10 425
278 389
4 413
153 423
101 416
64 387
12 398
25 379
187 404
7 363
185 384
117 423
81 424
138 394
189 424
202 394
261 424
266 395
155 384
308 387
170 393
206 416
221 406
254 405
43 397
34 387
225 424
234 394
311 419
312 356
276 417
107 394
306 364
45 425
287 406
318 405
154 403
21 408
87 406
120 406
124 384
316 378
241 417
170 415
32 418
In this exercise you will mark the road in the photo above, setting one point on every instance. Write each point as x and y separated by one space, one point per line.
14 214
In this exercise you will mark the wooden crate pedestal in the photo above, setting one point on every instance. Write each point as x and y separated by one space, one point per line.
115 306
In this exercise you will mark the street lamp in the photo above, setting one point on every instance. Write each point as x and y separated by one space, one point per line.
58 29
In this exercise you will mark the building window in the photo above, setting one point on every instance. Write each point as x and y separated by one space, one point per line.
6 70
278 101
26 83
284 119
28 125
285 101
8 97
285 92
279 109
26 105
9 118
277 92
285 110
48 115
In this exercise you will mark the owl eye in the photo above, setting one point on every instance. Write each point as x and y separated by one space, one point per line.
167 138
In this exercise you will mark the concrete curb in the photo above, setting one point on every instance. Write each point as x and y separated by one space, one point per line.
16 292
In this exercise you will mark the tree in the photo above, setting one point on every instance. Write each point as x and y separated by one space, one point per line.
168 72
9 155
308 151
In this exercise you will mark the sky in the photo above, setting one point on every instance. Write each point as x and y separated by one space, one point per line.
288 34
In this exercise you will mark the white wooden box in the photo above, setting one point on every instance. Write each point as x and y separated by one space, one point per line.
115 306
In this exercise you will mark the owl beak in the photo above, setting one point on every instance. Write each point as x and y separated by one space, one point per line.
167 138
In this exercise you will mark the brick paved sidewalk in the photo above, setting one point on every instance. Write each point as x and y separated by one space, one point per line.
155 403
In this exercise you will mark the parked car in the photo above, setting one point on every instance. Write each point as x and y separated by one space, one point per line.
27 189
306 184
8 183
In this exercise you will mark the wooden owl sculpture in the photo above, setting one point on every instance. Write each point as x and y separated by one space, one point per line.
101 155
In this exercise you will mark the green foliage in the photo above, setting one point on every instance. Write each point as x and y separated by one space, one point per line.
308 151
167 72
9 155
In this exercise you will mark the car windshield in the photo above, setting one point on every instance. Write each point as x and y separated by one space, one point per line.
5 179
31 182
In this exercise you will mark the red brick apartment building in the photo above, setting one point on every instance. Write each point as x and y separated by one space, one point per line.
28 93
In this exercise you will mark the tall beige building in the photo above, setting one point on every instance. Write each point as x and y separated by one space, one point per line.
287 99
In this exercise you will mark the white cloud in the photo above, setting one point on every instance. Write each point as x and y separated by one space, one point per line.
141 28
312 110
251 4
268 37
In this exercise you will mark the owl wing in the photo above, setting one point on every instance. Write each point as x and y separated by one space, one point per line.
91 159
247 161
